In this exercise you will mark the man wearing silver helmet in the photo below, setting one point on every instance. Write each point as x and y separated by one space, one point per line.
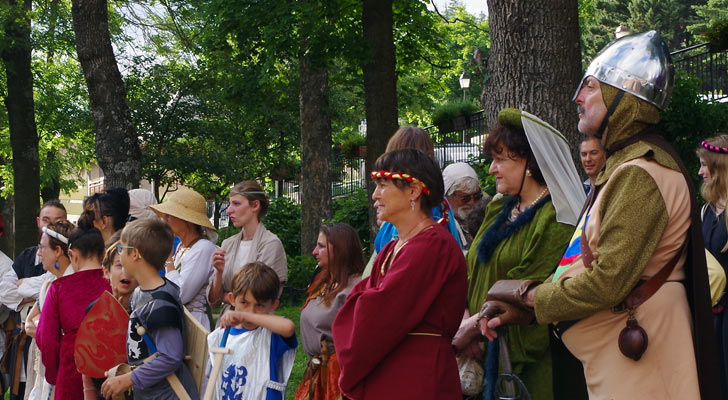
630 296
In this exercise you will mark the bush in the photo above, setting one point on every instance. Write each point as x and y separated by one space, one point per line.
284 219
690 119
350 147
353 209
449 111
717 36
481 165
300 271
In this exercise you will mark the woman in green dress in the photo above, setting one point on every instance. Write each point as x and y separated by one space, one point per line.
524 234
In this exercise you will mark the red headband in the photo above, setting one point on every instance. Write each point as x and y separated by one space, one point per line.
716 149
399 175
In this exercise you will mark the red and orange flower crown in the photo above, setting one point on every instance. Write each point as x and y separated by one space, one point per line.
399 175
409 178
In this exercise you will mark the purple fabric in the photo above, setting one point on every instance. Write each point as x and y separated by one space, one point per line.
170 354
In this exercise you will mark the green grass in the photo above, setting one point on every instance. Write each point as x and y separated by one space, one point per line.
293 312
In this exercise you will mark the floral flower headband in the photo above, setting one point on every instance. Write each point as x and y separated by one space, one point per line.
716 149
399 175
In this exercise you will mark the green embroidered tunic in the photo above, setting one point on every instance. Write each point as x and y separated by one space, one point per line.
531 253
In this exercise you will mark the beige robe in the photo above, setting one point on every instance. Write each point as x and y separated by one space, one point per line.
667 369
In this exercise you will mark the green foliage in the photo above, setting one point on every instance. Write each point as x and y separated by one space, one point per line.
690 119
434 52
481 165
353 209
284 219
600 18
708 14
717 36
300 270
449 111
350 147
63 120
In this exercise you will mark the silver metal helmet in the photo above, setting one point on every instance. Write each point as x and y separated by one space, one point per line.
639 64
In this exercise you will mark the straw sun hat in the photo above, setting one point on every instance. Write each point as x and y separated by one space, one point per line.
186 205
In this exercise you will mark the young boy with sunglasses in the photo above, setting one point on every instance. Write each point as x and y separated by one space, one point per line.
156 322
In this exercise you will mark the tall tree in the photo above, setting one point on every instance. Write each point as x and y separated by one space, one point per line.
380 85
315 150
671 18
16 56
117 146
708 14
528 74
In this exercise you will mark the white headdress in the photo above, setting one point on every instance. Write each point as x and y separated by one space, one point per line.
552 154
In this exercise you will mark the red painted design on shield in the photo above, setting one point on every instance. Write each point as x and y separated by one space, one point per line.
101 338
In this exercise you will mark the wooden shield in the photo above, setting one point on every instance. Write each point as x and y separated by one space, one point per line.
195 348
101 338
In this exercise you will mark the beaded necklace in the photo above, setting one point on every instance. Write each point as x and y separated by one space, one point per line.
516 211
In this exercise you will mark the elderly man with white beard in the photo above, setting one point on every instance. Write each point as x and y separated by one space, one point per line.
462 190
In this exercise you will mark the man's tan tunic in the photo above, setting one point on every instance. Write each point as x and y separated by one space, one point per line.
667 369
638 222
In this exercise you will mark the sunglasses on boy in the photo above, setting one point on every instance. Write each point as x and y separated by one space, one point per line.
120 248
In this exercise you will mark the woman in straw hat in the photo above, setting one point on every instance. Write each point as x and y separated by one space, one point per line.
191 265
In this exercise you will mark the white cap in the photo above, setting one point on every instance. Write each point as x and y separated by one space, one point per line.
455 173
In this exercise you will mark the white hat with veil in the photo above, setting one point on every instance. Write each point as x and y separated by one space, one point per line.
552 154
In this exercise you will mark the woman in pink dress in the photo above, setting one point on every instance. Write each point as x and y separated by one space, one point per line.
64 309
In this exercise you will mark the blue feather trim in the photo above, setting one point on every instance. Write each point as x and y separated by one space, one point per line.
501 229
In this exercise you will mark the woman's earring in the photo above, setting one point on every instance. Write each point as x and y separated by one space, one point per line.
55 265
412 205
528 172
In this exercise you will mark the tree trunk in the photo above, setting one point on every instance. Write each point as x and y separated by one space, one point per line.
535 61
21 117
7 240
51 190
315 151
380 87
117 146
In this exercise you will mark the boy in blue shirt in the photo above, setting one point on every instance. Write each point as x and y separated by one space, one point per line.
263 345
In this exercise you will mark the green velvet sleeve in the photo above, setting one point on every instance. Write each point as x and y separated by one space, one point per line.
634 217
532 253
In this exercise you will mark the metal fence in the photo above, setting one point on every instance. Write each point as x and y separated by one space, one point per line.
460 141
710 68
347 175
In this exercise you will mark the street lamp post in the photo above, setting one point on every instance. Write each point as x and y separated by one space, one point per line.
464 83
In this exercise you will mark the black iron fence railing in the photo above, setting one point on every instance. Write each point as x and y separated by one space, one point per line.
459 141
347 175
710 68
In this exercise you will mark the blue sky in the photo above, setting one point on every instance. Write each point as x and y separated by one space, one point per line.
475 7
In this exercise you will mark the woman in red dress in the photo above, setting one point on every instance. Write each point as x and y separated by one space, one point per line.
393 334
64 308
